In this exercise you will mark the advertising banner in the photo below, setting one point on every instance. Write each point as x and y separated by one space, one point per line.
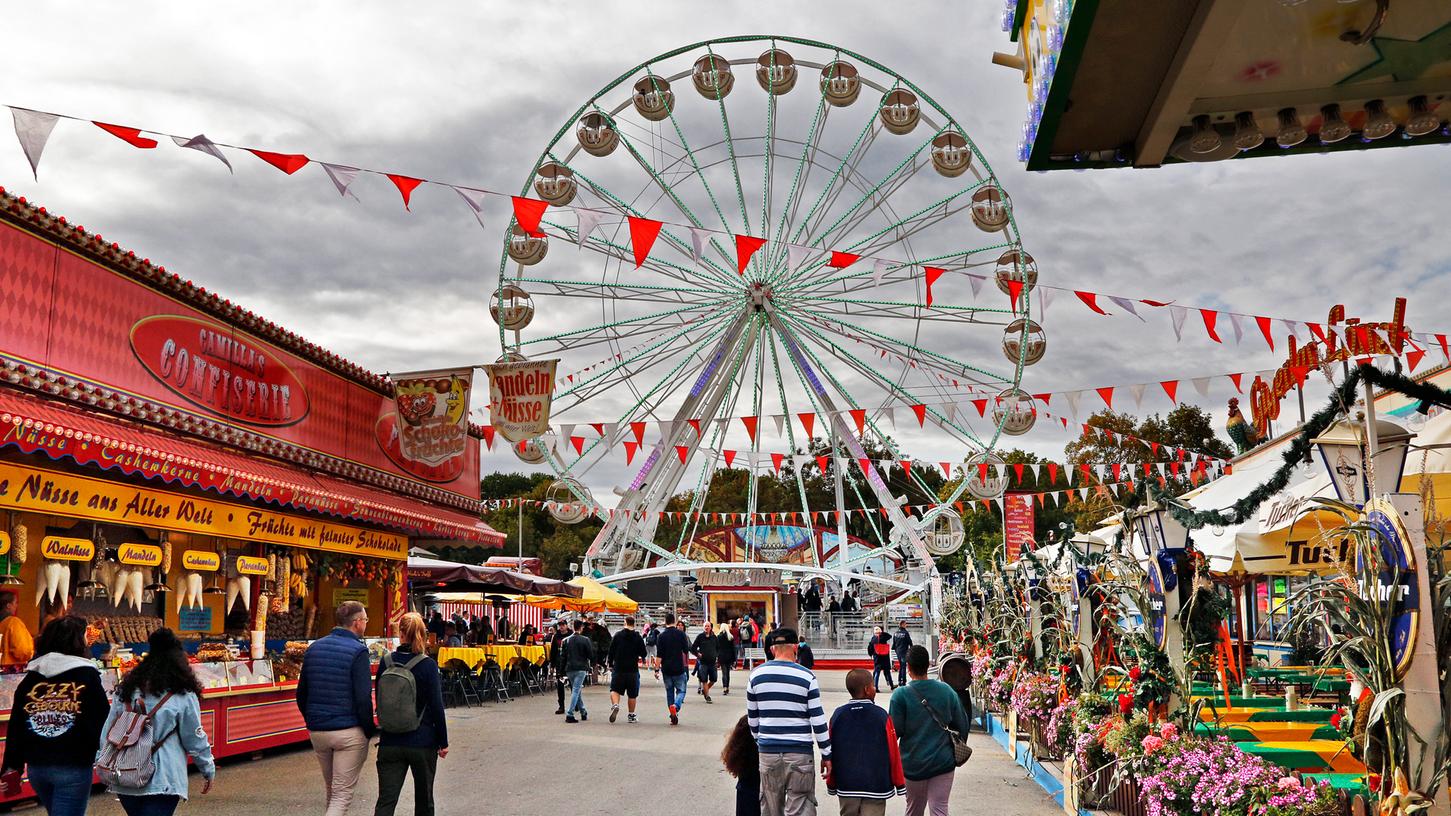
1017 524
424 429
519 397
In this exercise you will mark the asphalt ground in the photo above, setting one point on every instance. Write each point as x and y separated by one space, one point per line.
520 758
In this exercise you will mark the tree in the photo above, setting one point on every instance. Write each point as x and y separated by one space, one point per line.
983 527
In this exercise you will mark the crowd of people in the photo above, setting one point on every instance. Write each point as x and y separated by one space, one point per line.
468 629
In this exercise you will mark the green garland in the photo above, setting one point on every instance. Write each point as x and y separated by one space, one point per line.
1245 508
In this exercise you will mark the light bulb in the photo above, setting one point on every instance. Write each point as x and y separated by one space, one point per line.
1332 128
1378 123
1422 120
1291 132
1247 134
1205 139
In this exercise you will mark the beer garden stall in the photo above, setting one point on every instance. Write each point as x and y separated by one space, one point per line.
168 458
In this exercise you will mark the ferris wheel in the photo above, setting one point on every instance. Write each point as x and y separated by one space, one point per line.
857 182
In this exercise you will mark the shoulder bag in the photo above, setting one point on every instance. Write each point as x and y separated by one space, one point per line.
961 751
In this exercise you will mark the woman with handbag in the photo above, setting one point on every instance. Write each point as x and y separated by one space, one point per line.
163 687
931 727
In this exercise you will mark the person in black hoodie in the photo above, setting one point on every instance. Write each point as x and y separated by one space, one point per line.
725 653
418 750
55 725
706 655
556 659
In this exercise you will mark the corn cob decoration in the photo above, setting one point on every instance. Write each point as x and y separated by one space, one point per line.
19 542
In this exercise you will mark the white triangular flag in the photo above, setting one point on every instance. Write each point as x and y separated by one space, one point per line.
1293 326
879 268
473 198
665 428
1083 494
1238 329
1045 297
1127 305
796 257
975 281
891 416
1072 397
33 129
1201 384
1138 392
342 177
1177 314
951 411
698 238
566 431
780 420
202 144
588 220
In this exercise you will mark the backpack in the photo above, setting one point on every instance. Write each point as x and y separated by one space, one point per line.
652 637
398 696
128 751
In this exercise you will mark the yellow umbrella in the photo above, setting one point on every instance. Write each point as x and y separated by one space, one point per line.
597 598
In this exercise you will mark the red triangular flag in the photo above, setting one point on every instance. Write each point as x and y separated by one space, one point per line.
841 260
1106 394
865 465
129 135
643 232
730 456
1018 472
1117 471
859 416
808 421
1264 324
406 185
489 437
578 443
981 406
921 412
528 212
933 273
1171 387
821 463
288 163
1052 472
630 448
906 466
982 468
1210 318
946 468
776 460
599 427
695 423
1015 291
1234 378
681 451
746 246
750 423
1413 358
1090 300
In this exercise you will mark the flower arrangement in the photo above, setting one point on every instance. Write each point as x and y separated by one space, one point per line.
1185 777
1035 696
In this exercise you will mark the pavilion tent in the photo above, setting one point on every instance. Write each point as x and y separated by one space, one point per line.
594 597
433 575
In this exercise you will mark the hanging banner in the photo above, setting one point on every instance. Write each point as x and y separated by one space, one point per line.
1017 524
427 431
519 397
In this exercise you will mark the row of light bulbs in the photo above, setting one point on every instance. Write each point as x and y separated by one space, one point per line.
1378 125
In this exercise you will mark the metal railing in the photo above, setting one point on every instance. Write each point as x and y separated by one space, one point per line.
848 631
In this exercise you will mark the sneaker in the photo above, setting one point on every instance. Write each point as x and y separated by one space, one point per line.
633 719
674 716
726 692
708 700
570 719
614 713
583 715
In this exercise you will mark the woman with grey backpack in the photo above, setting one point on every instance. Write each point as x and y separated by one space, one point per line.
414 735
156 711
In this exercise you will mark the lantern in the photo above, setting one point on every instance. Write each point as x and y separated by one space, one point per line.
840 83
1343 451
596 135
653 98
712 77
1024 339
900 111
555 183
776 71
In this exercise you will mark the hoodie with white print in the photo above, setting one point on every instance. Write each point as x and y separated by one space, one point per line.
60 707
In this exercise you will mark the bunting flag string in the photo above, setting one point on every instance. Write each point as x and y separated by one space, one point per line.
33 129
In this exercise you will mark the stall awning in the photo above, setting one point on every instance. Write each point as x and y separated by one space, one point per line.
431 574
594 597
59 432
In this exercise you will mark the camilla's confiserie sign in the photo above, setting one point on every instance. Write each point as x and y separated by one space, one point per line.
251 565
64 494
58 548
520 394
207 364
200 561
139 555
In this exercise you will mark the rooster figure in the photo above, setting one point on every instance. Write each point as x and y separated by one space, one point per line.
1243 433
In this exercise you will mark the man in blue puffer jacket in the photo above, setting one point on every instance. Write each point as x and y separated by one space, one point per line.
335 696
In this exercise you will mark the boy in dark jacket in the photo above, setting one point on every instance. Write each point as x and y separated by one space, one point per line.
866 768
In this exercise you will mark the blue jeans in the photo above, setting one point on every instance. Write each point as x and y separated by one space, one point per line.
576 696
64 790
901 668
675 689
152 805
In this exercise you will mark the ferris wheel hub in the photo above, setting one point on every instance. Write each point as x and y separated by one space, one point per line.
760 294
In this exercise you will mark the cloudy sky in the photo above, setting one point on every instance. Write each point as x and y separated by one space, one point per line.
473 95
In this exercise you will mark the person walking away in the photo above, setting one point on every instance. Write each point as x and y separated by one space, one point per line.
164 686
725 656
54 732
901 642
868 768
927 759
16 645
805 657
879 648
599 635
556 660
673 649
335 694
411 719
783 706
627 649
743 761
652 657
579 654
706 656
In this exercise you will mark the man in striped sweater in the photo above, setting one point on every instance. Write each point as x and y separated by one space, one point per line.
783 708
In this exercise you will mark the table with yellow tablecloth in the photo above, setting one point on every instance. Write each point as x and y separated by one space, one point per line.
504 655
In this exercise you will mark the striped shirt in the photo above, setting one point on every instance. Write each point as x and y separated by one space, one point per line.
783 708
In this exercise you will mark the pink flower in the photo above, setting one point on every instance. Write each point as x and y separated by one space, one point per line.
1287 783
1152 743
1169 731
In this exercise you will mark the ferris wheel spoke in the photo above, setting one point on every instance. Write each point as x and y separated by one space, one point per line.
941 362
639 292
911 164
725 123
695 163
864 140
628 366
791 440
799 178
